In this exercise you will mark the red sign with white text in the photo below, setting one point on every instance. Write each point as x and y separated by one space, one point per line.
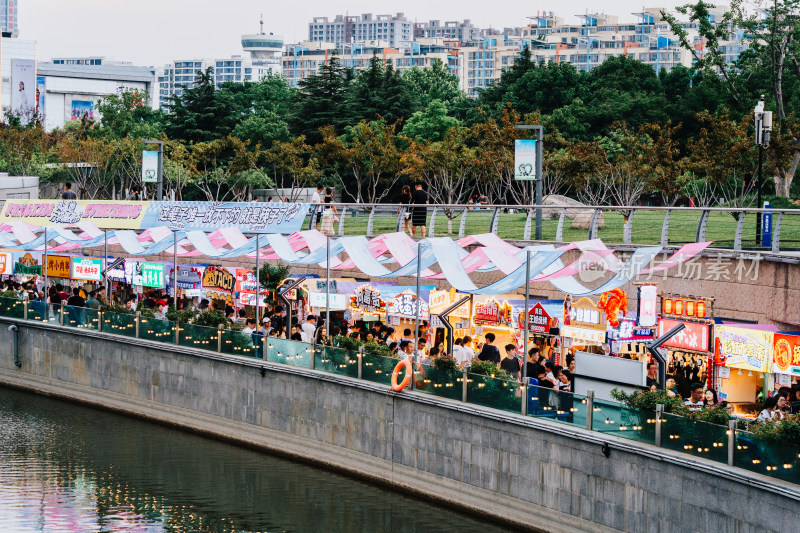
696 337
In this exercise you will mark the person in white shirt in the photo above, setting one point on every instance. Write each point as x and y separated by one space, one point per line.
316 199
467 351
695 400
421 349
458 352
769 412
249 327
309 328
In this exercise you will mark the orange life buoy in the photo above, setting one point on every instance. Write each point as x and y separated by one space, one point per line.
396 372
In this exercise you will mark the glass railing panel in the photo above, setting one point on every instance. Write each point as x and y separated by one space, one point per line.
378 369
336 361
153 329
238 343
119 324
623 421
445 383
38 311
289 352
695 437
775 459
556 405
497 393
12 308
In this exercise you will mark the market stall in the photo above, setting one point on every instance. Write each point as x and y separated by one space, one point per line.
743 359
583 327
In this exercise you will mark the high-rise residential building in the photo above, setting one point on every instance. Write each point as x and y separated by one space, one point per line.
8 18
304 59
343 29
462 32
479 57
265 51
181 74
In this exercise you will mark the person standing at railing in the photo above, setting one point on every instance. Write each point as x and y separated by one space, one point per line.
405 203
510 363
329 213
419 214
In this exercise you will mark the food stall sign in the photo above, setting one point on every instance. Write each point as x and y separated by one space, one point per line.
492 313
786 357
87 268
368 299
627 331
218 279
539 321
584 334
438 301
338 302
648 298
6 263
695 336
748 349
153 275
58 266
404 304
584 313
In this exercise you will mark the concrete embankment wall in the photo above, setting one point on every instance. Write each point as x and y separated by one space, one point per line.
527 472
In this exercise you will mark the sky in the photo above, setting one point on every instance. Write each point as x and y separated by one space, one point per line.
154 32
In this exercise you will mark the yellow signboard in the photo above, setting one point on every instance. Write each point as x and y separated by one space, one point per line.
58 266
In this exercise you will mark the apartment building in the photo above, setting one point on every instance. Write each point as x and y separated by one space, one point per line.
478 57
343 29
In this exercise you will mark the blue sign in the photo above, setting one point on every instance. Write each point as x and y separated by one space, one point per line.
249 217
766 227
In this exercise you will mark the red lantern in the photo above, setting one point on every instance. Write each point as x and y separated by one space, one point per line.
701 310
666 306
678 307
690 308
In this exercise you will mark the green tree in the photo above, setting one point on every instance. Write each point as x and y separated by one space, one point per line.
263 128
432 124
379 91
434 83
201 113
128 115
320 101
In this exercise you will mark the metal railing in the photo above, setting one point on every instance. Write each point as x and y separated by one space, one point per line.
627 225
722 444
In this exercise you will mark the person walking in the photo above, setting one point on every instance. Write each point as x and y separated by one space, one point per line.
135 195
419 214
329 213
316 201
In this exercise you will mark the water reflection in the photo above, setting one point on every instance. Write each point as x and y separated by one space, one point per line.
69 468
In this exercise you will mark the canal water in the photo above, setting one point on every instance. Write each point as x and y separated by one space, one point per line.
65 467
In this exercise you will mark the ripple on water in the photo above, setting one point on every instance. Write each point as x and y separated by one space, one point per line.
65 467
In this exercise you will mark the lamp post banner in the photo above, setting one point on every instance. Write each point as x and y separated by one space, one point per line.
525 160
249 217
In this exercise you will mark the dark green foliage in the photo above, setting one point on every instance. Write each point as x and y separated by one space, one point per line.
201 113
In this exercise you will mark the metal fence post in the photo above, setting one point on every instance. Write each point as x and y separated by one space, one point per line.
360 362
61 319
462 226
313 355
265 344
341 221
627 229
701 227
138 321
593 224
464 386
219 338
25 309
731 440
589 409
665 230
370 221
560 226
495 219
432 226
99 320
659 412
177 333
776 234
400 219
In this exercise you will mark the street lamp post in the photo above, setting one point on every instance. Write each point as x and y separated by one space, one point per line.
538 191
763 126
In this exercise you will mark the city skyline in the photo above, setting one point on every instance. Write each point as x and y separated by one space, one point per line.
176 33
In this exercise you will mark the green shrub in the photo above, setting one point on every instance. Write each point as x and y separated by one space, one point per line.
785 431
445 362
487 368
647 400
